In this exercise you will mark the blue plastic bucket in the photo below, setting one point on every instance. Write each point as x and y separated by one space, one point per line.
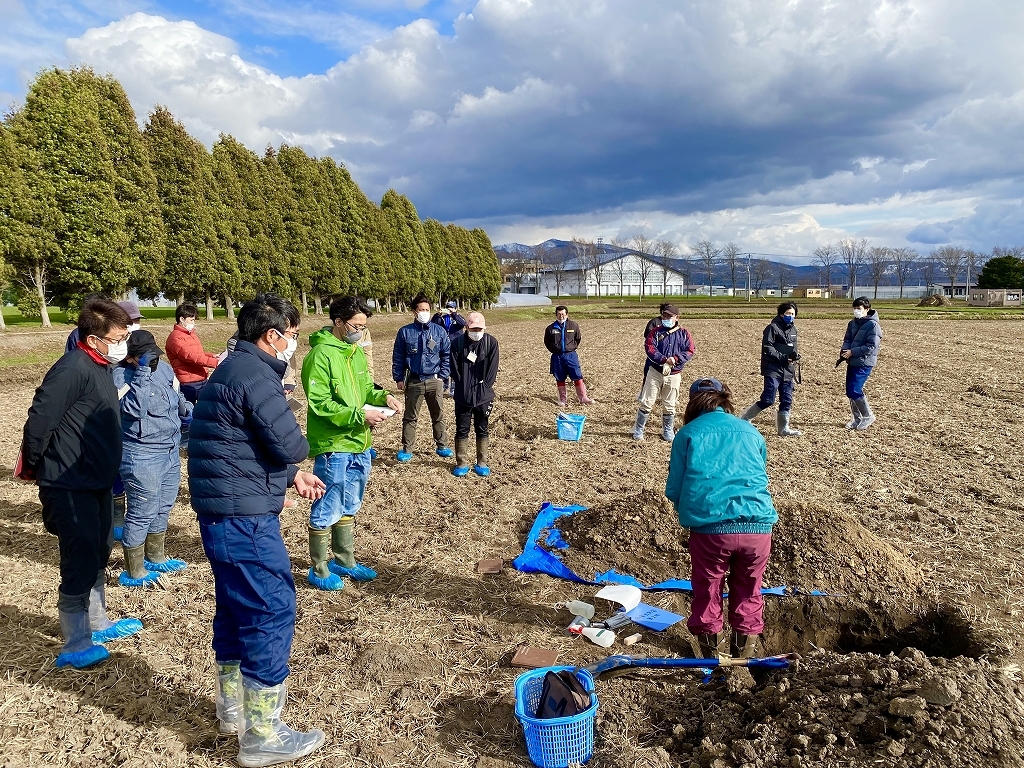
556 742
570 426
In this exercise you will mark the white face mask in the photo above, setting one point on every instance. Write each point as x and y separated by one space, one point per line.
188 326
286 355
860 312
133 327
423 317
116 352
475 335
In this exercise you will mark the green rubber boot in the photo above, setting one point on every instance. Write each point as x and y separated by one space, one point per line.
343 541
320 575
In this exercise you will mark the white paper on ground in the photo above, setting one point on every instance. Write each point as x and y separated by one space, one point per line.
389 412
625 595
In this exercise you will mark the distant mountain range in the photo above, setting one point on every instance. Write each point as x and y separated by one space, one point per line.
553 249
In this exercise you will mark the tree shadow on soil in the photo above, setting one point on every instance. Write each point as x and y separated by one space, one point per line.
125 686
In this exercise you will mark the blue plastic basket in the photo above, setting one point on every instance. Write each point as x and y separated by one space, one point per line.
570 426
556 742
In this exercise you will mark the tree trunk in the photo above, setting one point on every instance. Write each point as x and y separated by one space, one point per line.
181 298
39 278
209 305
3 325
229 308
302 297
318 304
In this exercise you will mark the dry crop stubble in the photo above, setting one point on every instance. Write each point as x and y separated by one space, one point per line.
413 667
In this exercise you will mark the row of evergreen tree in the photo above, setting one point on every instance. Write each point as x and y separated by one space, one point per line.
89 203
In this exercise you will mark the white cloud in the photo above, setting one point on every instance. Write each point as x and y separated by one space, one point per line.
780 122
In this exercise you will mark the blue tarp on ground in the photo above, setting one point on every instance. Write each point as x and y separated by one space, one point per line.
537 559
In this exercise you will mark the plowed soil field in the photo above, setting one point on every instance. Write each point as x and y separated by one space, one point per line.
915 526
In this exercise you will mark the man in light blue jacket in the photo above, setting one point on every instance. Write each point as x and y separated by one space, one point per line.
860 351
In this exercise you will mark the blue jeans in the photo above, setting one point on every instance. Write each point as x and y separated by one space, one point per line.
772 385
252 577
855 379
151 480
345 475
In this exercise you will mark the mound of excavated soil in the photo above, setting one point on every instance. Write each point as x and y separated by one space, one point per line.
854 710
874 587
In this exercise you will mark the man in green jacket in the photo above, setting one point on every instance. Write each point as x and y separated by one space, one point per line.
343 406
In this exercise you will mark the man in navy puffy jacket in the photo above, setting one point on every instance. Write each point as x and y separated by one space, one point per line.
860 351
243 448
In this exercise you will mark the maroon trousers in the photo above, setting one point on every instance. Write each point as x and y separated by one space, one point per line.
739 557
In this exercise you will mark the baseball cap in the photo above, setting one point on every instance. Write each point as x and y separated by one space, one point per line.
131 308
452 305
705 385
672 309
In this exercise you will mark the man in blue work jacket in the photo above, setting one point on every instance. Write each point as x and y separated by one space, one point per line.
450 319
419 364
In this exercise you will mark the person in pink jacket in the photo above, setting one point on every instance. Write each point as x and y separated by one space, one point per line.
185 353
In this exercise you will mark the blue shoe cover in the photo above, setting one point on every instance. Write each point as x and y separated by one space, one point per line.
373 454
445 453
121 628
83 659
358 572
403 456
118 532
481 470
330 584
170 565
149 580
460 471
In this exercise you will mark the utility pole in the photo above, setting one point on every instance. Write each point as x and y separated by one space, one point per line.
748 278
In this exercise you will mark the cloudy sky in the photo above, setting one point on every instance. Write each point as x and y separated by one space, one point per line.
776 124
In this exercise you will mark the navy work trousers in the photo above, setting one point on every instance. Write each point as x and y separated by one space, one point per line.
773 384
255 616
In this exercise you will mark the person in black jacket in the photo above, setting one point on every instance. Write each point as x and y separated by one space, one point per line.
72 449
243 448
562 338
474 370
779 355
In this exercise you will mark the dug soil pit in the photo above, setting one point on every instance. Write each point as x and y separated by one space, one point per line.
852 710
874 591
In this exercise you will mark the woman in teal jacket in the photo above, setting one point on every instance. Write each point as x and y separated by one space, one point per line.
718 483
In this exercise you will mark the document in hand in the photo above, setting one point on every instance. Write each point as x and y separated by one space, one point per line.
389 412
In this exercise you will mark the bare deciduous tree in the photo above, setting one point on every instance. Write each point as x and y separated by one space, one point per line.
826 256
708 254
784 273
903 260
558 264
643 245
950 259
515 269
928 269
667 252
731 258
878 258
852 254
591 260
760 269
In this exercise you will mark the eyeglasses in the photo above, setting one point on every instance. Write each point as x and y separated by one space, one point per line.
356 328
293 335
114 341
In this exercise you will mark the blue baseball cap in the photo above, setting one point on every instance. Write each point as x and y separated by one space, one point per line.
452 305
705 385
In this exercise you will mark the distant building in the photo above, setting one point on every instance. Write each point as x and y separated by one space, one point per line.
994 297
806 292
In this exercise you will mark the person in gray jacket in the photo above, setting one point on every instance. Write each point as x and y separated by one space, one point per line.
151 413
860 351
